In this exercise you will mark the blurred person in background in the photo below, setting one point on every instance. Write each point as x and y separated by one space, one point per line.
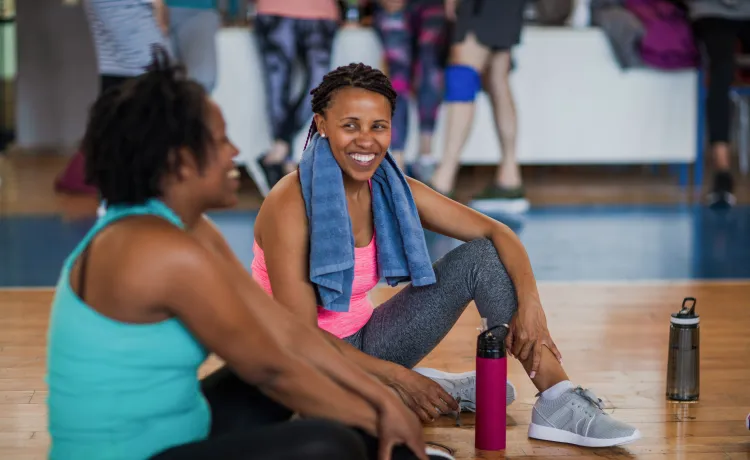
484 33
193 25
719 25
414 35
288 30
124 33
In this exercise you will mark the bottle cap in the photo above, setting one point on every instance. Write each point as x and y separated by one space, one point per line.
686 316
491 344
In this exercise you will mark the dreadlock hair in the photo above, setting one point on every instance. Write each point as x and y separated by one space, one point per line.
354 75
135 129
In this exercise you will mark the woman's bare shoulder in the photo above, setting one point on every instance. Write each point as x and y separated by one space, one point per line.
282 213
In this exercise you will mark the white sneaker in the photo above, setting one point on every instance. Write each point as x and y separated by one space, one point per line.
435 454
463 387
577 417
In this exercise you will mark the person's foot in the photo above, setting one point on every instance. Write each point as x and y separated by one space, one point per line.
722 193
450 195
424 168
577 417
463 387
436 454
509 175
73 178
442 180
500 199
273 172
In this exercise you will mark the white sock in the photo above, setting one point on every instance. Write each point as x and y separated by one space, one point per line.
555 391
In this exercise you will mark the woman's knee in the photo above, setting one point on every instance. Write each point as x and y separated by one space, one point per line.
483 254
463 75
481 249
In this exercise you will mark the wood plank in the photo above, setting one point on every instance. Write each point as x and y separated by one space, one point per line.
15 397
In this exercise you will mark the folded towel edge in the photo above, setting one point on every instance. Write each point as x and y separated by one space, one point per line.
331 268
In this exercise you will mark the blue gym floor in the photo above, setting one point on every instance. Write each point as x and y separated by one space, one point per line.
579 243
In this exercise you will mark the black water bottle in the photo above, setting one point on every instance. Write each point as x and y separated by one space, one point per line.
683 365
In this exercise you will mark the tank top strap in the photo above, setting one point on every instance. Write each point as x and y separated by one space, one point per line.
114 213
152 207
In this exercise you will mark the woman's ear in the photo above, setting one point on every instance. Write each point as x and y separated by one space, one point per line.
188 167
320 124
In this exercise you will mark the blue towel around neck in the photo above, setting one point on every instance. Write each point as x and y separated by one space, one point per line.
401 247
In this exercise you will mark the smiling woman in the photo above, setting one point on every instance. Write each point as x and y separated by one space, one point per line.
344 107
327 233
142 300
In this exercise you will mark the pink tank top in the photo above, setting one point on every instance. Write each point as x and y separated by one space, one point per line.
360 308
301 9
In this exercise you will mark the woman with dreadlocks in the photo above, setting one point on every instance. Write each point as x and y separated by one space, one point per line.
146 296
327 233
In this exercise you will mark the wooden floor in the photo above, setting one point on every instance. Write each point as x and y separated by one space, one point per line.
613 338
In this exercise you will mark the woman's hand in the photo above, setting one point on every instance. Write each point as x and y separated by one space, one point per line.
398 425
528 333
425 397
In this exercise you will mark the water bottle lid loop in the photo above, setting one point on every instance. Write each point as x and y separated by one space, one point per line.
686 315
688 311
488 331
491 345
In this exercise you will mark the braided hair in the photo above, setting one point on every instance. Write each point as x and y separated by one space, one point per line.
135 129
354 75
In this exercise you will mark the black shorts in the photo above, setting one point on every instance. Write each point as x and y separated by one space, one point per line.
496 23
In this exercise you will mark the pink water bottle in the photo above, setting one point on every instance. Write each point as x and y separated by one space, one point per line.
492 374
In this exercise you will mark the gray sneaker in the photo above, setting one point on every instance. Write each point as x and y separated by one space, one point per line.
577 417
463 387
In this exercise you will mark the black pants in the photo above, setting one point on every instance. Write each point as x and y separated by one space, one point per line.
282 41
720 37
247 425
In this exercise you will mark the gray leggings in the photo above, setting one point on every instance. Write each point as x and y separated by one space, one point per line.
409 326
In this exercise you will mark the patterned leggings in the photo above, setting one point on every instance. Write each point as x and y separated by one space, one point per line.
414 40
282 41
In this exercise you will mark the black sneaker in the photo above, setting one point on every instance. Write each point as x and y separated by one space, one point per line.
273 172
722 194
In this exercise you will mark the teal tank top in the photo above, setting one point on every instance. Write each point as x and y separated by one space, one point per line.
196 4
117 390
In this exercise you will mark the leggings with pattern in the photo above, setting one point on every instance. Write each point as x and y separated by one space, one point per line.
282 41
414 40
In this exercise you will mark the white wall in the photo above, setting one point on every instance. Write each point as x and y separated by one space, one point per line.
57 76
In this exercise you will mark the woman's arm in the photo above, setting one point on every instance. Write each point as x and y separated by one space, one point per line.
286 256
447 217
192 286
195 286
444 216
286 250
